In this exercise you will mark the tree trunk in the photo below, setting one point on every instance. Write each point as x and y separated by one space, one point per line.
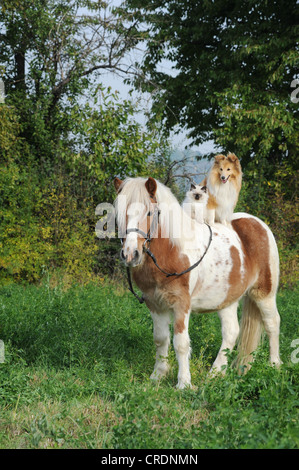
20 70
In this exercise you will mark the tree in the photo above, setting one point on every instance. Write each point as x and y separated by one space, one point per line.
63 137
108 141
233 65
52 50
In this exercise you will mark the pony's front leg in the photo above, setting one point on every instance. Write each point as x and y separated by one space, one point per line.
230 331
181 343
162 339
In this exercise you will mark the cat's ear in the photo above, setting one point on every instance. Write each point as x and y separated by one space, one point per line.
204 189
193 186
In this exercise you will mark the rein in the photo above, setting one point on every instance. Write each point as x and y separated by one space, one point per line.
147 239
147 251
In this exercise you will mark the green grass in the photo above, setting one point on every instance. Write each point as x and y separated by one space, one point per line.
77 367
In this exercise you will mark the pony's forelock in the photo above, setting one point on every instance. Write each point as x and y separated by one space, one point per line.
134 191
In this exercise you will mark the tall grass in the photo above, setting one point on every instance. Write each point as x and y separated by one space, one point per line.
76 375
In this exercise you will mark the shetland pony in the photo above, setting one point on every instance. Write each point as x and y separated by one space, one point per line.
224 183
237 263
195 202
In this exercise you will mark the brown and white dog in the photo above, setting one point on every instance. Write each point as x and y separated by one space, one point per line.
224 184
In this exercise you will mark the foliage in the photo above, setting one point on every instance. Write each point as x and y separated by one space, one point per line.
275 201
65 46
76 375
231 69
63 137
48 213
261 129
13 147
110 142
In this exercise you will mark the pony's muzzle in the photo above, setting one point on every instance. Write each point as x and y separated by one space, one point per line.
131 258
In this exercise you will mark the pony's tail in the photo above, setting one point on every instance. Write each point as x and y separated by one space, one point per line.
250 334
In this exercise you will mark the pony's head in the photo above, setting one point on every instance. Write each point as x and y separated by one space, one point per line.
137 216
146 208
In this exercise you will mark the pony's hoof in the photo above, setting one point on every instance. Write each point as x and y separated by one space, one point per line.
160 372
277 363
217 372
181 385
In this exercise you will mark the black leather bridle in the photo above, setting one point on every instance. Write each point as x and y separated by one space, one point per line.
147 240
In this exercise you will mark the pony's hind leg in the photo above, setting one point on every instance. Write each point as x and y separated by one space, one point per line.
271 321
230 331
161 339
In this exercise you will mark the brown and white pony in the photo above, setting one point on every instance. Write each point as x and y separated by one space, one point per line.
241 261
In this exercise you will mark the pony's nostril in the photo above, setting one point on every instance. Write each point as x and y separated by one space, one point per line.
129 258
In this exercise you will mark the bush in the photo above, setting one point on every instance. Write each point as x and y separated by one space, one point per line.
275 201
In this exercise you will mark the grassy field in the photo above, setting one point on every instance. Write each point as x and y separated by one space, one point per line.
77 367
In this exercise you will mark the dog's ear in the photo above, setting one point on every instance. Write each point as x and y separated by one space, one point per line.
232 157
204 189
219 158
117 184
193 186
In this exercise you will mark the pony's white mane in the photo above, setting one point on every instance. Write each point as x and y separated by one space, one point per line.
172 217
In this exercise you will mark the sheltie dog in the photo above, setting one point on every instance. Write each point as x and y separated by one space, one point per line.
223 183
195 202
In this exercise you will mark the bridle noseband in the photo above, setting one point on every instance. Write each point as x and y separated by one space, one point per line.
148 238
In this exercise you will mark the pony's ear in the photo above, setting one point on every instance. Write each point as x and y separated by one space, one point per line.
193 186
117 184
151 186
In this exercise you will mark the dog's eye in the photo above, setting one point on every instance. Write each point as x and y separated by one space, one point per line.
221 169
228 169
